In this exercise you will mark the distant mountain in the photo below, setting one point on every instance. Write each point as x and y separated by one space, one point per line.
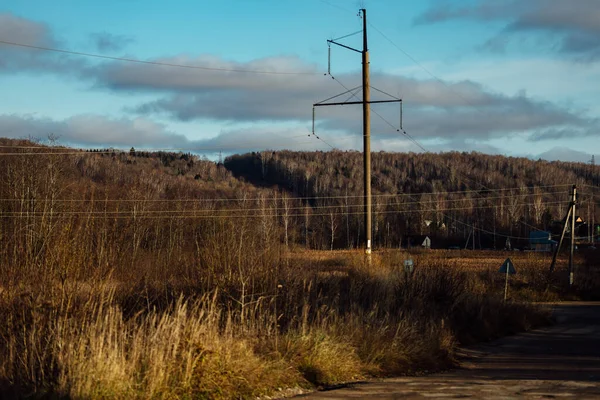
564 154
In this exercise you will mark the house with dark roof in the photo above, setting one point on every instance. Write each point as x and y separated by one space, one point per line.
541 241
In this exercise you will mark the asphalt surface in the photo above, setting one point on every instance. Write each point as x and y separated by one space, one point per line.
560 361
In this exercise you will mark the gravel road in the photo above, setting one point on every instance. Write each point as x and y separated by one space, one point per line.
561 361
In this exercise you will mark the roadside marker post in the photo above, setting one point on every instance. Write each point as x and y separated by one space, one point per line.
507 268
409 266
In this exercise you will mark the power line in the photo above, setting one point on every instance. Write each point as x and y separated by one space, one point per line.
424 69
312 134
348 35
157 63
406 54
255 199
336 6
474 228
414 60
280 208
412 139
196 213
384 92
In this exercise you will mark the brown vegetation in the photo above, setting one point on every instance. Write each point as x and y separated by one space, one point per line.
500 196
123 276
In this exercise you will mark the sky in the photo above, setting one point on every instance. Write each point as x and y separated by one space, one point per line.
510 77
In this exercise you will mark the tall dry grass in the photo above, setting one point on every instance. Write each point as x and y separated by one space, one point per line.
101 299
322 323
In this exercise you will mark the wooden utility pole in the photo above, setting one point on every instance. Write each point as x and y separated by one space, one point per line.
569 219
589 231
592 161
573 216
366 102
366 134
593 219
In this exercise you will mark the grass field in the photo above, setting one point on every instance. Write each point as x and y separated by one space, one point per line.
284 319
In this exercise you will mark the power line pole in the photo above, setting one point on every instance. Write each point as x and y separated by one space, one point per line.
366 102
593 220
589 231
569 219
574 204
366 135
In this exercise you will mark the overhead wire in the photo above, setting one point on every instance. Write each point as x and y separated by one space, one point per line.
335 6
406 54
324 141
157 63
414 141
382 195
131 214
277 208
348 35
218 69
384 92
425 150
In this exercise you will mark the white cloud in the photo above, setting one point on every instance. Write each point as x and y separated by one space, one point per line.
570 28
461 109
91 131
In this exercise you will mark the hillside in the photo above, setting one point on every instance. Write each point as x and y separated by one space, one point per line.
507 195
152 274
311 199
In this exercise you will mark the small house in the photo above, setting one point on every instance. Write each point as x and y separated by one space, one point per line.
541 241
426 243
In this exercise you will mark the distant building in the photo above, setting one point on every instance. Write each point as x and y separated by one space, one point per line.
426 242
541 241
418 241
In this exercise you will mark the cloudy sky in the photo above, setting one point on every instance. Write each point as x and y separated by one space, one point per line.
497 76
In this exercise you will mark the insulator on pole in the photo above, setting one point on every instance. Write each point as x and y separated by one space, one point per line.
329 59
401 115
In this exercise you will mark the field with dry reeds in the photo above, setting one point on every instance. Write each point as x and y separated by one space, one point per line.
280 320
114 284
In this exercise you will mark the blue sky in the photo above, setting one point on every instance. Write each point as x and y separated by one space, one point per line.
497 76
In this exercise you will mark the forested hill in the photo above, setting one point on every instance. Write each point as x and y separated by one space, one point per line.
308 199
336 172
426 193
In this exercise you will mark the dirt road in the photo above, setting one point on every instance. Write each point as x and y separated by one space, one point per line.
561 361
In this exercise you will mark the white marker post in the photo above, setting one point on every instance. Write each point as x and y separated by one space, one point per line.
507 268
409 266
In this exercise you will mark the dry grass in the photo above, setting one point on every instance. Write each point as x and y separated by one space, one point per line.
184 351
98 306
325 322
